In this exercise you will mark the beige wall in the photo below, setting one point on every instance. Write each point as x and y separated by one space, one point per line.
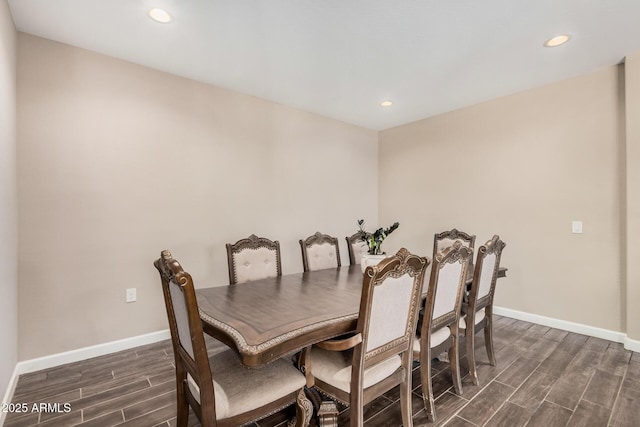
8 200
117 162
632 171
110 152
523 167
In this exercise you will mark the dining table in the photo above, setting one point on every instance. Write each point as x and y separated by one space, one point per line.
269 318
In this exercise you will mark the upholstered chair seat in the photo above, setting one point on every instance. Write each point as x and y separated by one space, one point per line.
233 397
319 252
437 338
334 368
479 318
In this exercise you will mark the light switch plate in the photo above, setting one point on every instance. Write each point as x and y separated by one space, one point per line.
131 295
576 227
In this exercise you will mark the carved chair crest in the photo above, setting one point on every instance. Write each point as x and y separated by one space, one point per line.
319 238
253 242
453 234
494 246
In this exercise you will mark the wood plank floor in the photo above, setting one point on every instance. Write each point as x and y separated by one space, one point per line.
545 377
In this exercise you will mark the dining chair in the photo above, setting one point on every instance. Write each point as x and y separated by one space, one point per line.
356 247
439 331
320 251
442 241
253 258
219 390
445 239
378 357
478 311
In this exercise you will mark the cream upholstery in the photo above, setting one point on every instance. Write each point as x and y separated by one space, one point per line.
479 316
253 258
447 290
180 312
254 264
356 247
222 401
238 389
334 368
437 338
389 311
320 251
321 256
486 275
359 250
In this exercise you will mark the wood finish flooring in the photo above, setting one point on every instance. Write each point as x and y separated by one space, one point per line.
545 377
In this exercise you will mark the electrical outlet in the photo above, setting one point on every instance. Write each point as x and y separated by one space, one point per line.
131 295
576 227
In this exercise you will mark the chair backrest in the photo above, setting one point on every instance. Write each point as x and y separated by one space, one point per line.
320 251
391 298
187 337
253 258
443 240
486 273
357 247
447 287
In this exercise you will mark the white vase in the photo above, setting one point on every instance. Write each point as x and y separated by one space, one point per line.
368 260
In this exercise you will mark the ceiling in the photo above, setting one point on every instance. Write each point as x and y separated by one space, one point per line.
341 58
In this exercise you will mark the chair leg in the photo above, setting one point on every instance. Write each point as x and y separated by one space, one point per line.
471 354
405 399
427 388
488 341
356 410
454 361
182 405
304 410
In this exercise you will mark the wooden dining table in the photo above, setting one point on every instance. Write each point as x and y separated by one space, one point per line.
265 319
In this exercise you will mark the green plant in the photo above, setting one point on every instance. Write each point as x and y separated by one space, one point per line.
374 240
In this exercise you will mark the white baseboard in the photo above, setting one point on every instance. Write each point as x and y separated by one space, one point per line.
77 355
46 362
633 345
8 395
570 326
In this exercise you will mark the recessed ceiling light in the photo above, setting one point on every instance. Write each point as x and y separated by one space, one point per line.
386 104
160 15
557 40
